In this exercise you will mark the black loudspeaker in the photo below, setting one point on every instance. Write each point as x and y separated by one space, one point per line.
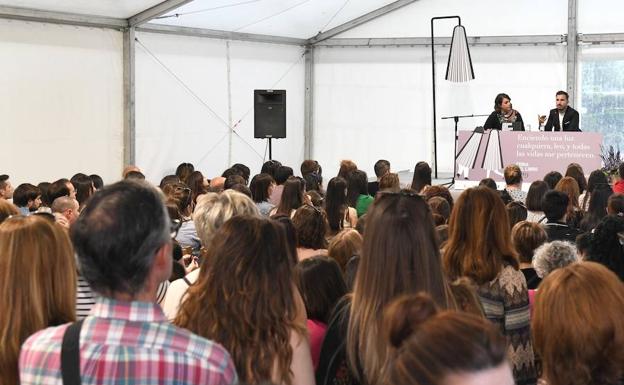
269 114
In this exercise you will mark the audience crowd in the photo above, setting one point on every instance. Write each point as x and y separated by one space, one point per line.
277 278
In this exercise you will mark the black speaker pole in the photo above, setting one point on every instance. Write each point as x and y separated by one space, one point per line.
270 149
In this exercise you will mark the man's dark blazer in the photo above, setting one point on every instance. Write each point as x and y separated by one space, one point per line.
570 120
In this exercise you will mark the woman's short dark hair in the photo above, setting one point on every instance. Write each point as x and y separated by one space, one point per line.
269 167
98 183
615 204
555 204
233 180
606 246
311 225
244 170
552 178
43 187
498 101
259 187
488 182
422 176
534 197
184 170
357 184
322 285
282 174
84 187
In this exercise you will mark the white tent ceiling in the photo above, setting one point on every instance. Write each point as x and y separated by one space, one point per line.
110 8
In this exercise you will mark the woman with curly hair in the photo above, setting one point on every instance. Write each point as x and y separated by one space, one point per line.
263 321
310 226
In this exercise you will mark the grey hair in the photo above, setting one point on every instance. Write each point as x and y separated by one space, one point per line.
213 210
553 255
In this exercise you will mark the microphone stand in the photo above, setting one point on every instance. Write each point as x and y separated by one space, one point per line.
456 119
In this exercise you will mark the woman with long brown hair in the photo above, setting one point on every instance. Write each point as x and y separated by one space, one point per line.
37 284
293 196
246 299
578 326
574 214
480 248
400 256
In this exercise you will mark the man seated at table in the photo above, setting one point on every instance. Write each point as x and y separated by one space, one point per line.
562 118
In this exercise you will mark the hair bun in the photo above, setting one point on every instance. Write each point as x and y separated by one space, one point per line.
404 315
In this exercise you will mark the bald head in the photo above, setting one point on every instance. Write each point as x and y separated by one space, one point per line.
66 206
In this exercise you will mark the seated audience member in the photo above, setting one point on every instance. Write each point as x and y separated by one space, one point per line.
27 198
309 166
168 179
578 326
534 201
211 212
513 183
310 226
596 179
400 255
552 178
357 192
128 169
526 237
123 243
346 168
615 204
321 285
583 243
6 189
244 171
575 171
135 175
480 248
433 347
339 214
553 255
261 187
312 174
61 188
618 186
184 170
574 214
7 209
422 178
84 187
517 212
597 208
243 189
316 199
389 182
488 182
216 184
182 197
38 290
381 168
198 184
98 183
441 207
45 200
270 167
555 206
282 174
606 245
440 191
292 197
263 321
65 209
344 246
233 180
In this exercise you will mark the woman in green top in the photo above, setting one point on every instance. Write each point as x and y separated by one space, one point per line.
357 192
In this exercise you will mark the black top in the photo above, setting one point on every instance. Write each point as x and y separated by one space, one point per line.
493 122
532 279
558 231
570 120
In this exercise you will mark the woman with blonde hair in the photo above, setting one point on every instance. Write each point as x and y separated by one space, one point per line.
37 284
345 245
246 299
480 248
578 326
400 256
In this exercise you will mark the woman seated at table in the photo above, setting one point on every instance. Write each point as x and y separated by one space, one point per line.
503 113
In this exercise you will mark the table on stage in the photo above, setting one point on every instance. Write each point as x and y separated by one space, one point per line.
485 154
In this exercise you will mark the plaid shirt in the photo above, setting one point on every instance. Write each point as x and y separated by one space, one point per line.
128 343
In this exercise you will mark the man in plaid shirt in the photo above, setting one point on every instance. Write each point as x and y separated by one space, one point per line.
123 242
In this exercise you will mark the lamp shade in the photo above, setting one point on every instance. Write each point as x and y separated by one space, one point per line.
459 67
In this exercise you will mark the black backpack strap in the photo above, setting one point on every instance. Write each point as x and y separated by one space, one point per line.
70 354
187 281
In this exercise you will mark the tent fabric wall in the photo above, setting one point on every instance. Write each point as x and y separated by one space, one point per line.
375 103
183 108
61 101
